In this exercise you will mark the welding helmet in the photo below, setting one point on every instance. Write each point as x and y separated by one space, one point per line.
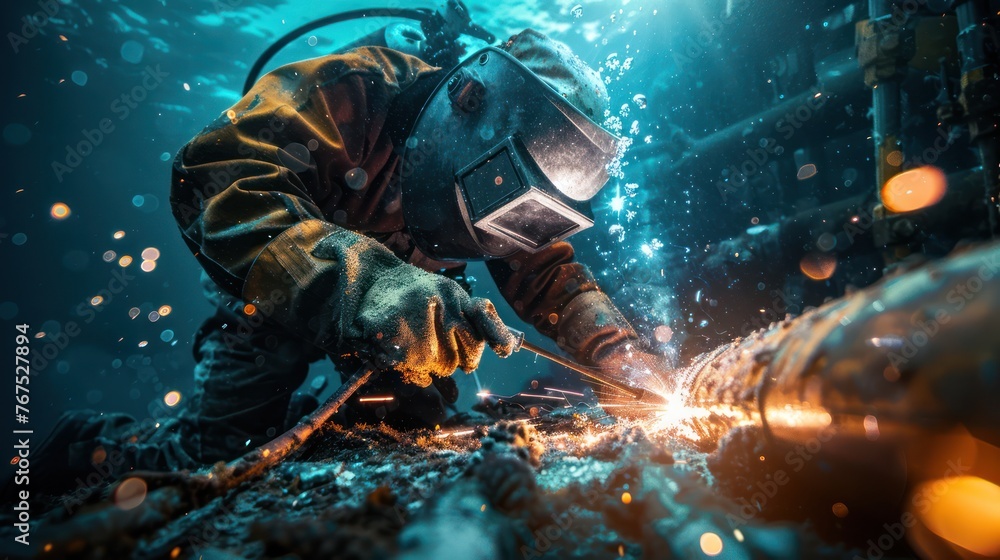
498 161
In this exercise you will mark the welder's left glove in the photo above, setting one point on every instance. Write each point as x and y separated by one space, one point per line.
349 295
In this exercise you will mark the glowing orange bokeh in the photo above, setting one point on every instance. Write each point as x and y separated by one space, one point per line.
172 398
60 211
130 493
711 544
818 266
964 510
914 189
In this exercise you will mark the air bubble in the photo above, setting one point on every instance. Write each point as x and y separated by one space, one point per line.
826 242
356 178
295 157
132 51
130 493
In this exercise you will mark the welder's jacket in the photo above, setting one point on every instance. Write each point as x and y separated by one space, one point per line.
258 190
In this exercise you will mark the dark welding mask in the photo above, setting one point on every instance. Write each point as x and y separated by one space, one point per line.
498 162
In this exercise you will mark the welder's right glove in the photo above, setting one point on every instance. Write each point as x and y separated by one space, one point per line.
425 323
350 295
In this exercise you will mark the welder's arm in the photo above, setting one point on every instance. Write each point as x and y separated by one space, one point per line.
561 299
247 193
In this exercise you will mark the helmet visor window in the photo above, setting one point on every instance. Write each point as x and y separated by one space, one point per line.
533 224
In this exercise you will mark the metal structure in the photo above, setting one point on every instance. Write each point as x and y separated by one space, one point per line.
811 133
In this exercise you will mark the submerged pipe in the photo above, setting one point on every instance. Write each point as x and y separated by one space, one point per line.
883 56
919 352
979 46
882 404
839 85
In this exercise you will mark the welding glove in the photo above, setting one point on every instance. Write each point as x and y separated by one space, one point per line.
350 295
595 333
420 324
424 323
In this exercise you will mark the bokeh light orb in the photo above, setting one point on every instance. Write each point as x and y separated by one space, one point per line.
173 398
818 266
130 493
914 189
711 544
60 211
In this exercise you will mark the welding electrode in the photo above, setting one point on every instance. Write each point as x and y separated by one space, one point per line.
596 375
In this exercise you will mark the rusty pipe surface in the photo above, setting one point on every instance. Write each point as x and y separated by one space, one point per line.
912 354
882 404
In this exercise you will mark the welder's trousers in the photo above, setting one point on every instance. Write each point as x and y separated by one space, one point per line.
247 369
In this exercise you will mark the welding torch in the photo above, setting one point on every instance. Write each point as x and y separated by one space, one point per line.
591 373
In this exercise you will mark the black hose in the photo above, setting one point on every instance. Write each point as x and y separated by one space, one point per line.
419 14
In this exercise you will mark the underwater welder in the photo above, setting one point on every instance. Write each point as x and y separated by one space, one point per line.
333 209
